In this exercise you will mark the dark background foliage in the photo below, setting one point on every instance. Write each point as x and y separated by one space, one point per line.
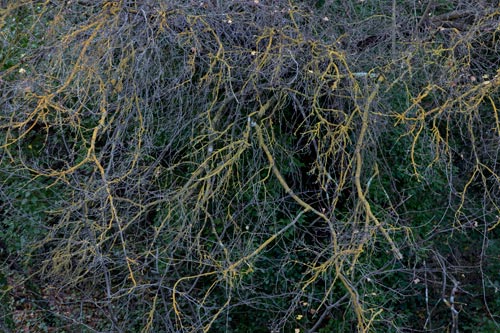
249 166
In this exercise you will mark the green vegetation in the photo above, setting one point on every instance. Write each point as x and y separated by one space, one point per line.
249 166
